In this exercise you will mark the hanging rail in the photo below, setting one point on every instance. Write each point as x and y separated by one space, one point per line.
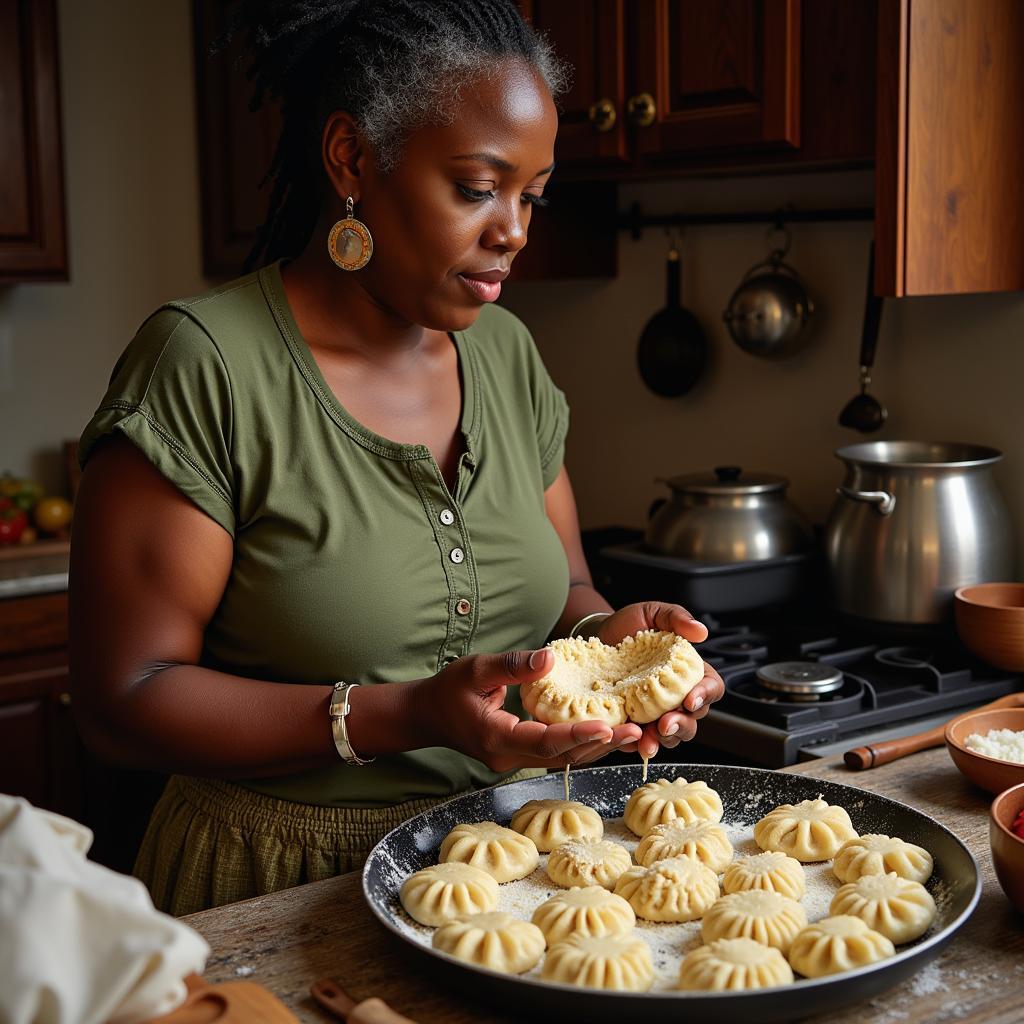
636 220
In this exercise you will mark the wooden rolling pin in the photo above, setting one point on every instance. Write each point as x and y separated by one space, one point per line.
862 758
331 996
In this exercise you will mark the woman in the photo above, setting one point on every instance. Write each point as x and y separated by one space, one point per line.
345 468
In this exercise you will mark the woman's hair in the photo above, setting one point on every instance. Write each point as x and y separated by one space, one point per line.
394 65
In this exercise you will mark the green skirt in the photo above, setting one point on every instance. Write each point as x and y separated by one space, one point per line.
211 842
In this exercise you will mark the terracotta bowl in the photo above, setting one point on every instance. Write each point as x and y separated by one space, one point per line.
990 622
987 772
1008 848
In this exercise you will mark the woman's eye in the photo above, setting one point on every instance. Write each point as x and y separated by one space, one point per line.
476 196
536 200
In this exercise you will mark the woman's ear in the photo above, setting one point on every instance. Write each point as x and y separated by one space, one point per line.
342 154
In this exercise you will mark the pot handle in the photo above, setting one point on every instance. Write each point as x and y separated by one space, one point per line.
883 501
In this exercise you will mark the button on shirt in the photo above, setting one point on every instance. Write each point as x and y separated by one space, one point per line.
352 559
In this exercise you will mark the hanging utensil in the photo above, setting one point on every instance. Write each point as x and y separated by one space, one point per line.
768 312
673 347
864 412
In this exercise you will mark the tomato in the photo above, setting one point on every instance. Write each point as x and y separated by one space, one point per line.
13 521
52 514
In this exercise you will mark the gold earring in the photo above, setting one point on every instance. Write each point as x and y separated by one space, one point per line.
350 244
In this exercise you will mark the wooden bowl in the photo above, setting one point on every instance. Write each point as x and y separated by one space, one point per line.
1008 848
988 772
990 622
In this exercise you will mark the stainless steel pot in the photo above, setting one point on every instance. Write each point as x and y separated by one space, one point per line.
727 517
912 521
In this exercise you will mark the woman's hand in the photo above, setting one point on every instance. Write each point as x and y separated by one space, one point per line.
461 708
674 726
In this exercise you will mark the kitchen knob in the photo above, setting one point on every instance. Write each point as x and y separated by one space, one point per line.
602 115
641 110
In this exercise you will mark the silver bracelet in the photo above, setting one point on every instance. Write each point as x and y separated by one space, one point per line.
338 710
586 621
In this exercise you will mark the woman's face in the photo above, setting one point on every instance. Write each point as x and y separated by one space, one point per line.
460 201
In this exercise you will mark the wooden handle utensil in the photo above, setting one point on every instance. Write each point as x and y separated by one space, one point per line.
874 754
331 996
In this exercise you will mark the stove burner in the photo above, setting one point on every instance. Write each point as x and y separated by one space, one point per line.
743 644
799 680
905 657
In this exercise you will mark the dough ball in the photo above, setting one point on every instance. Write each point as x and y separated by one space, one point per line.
837 944
496 940
640 679
549 823
621 963
443 892
502 853
766 917
876 854
772 872
733 964
678 889
585 862
811 830
663 800
705 841
895 907
588 911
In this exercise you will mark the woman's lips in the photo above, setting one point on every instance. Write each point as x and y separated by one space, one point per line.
485 291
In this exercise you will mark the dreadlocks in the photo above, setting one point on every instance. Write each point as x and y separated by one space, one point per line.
394 65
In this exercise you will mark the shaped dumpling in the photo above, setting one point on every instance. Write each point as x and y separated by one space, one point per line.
588 911
705 841
772 872
443 892
664 800
876 854
549 823
678 889
837 944
588 862
811 830
496 940
731 964
765 917
621 963
502 853
895 907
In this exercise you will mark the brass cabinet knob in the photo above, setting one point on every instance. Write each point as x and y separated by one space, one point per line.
65 699
641 109
602 115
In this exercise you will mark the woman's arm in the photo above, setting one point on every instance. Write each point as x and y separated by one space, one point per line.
148 570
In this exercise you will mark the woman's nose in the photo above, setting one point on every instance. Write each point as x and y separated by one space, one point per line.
507 231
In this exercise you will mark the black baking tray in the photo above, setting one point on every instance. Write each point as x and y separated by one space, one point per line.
956 884
632 572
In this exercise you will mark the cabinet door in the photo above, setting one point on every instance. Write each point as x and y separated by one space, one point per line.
33 244
949 210
590 35
715 76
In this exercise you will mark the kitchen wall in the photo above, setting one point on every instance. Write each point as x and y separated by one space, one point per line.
947 368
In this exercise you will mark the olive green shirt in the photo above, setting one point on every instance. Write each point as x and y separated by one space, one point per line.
351 558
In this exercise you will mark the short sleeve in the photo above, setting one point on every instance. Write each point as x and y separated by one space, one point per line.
170 396
551 417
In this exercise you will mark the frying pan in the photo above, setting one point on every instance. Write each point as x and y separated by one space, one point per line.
747 794
673 348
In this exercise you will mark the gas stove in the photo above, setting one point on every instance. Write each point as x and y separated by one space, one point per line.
792 695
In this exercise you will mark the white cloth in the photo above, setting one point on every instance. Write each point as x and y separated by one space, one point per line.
79 943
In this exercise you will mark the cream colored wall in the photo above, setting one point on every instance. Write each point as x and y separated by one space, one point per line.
132 197
947 368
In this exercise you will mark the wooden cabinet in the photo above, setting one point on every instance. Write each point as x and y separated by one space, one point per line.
33 242
669 87
949 209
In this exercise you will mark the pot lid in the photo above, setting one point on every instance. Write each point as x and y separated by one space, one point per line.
730 480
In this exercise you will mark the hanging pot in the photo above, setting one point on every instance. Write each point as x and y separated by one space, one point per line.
768 313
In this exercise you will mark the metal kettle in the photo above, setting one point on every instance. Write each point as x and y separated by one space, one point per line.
727 517
912 521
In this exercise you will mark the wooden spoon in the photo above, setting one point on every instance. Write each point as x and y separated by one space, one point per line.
331 996
874 754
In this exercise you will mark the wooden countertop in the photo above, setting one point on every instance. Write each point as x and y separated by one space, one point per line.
289 939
